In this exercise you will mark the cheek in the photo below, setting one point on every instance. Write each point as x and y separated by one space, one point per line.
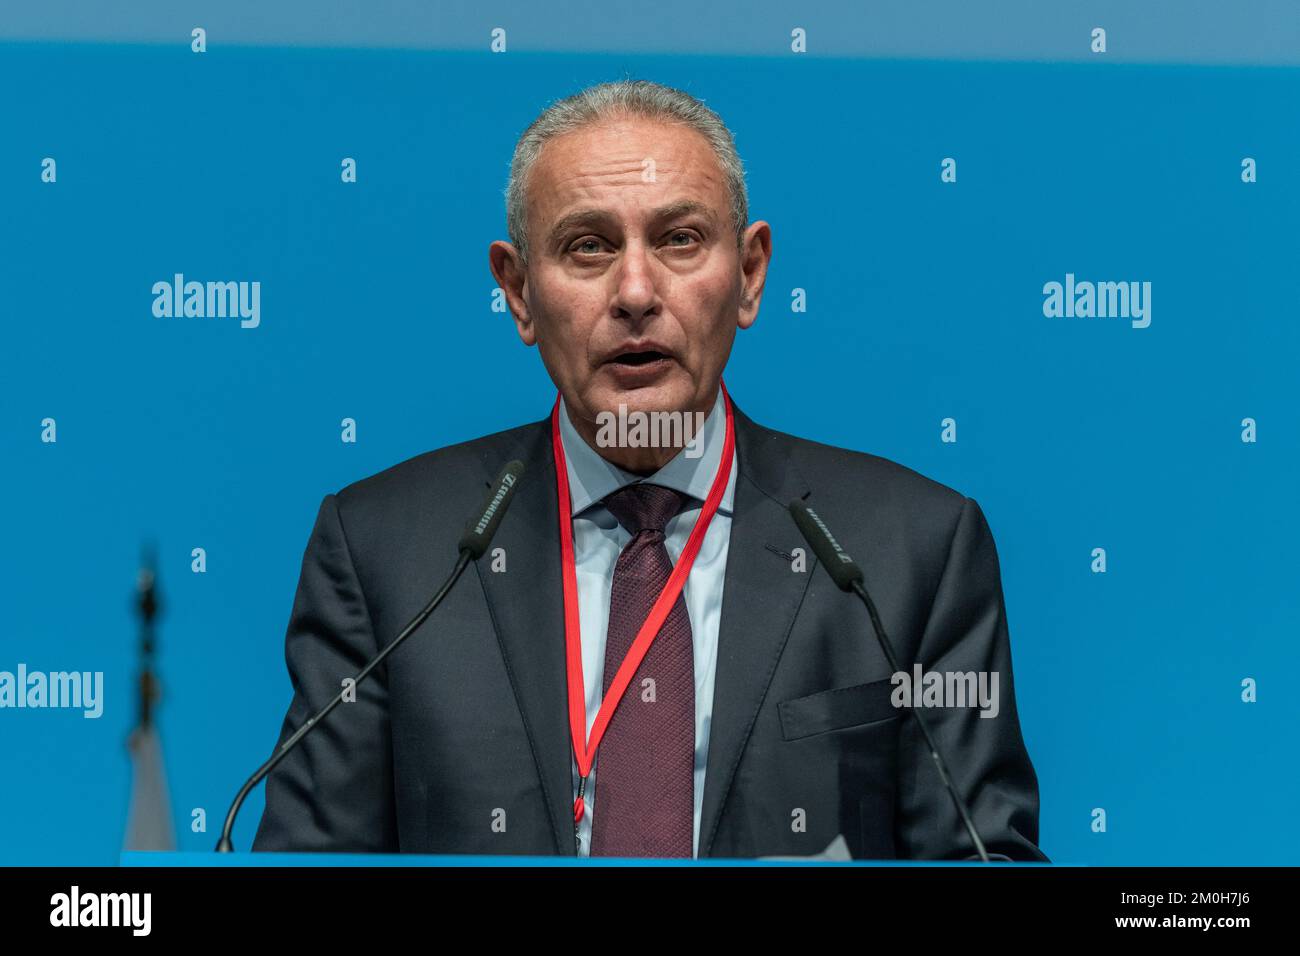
563 319
713 309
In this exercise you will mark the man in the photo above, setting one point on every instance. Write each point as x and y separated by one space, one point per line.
761 719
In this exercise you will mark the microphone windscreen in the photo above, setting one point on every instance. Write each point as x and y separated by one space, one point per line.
843 570
483 525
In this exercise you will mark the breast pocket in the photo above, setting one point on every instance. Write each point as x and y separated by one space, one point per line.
837 709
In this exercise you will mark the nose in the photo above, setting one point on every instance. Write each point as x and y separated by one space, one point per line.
636 294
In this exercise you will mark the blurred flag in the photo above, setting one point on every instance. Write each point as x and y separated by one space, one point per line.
149 826
149 823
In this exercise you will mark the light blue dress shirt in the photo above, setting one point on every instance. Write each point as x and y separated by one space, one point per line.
597 540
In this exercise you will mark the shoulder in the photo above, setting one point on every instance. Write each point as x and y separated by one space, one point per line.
867 493
442 484
828 467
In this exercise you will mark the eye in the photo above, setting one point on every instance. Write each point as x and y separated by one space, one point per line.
679 234
589 245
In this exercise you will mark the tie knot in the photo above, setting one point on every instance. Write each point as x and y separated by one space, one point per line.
642 507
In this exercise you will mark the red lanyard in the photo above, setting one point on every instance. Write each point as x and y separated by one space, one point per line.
586 752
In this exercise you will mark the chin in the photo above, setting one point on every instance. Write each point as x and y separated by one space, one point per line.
665 396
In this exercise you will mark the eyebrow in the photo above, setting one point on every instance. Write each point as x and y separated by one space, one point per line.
583 217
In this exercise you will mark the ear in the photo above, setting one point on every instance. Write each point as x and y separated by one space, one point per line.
755 254
508 269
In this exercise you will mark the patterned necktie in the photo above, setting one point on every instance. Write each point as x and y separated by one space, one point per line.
646 761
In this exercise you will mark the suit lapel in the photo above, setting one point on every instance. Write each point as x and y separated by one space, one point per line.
527 608
760 597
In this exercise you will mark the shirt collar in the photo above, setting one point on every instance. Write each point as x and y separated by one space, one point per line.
591 477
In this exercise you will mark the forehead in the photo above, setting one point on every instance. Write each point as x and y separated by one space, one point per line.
625 164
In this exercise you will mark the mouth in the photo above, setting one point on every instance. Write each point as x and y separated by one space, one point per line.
639 363
639 358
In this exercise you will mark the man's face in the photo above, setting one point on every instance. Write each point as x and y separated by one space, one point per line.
634 287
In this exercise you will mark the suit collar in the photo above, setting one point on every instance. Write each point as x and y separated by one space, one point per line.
765 460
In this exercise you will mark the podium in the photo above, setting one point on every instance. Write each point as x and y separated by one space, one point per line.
191 858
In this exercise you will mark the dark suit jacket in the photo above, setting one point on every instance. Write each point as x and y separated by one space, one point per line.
459 742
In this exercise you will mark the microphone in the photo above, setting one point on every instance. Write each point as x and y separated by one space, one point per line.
473 545
847 576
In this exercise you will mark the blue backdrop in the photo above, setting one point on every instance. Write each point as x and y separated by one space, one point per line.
925 301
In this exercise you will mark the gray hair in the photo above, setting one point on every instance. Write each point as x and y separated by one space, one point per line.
640 98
